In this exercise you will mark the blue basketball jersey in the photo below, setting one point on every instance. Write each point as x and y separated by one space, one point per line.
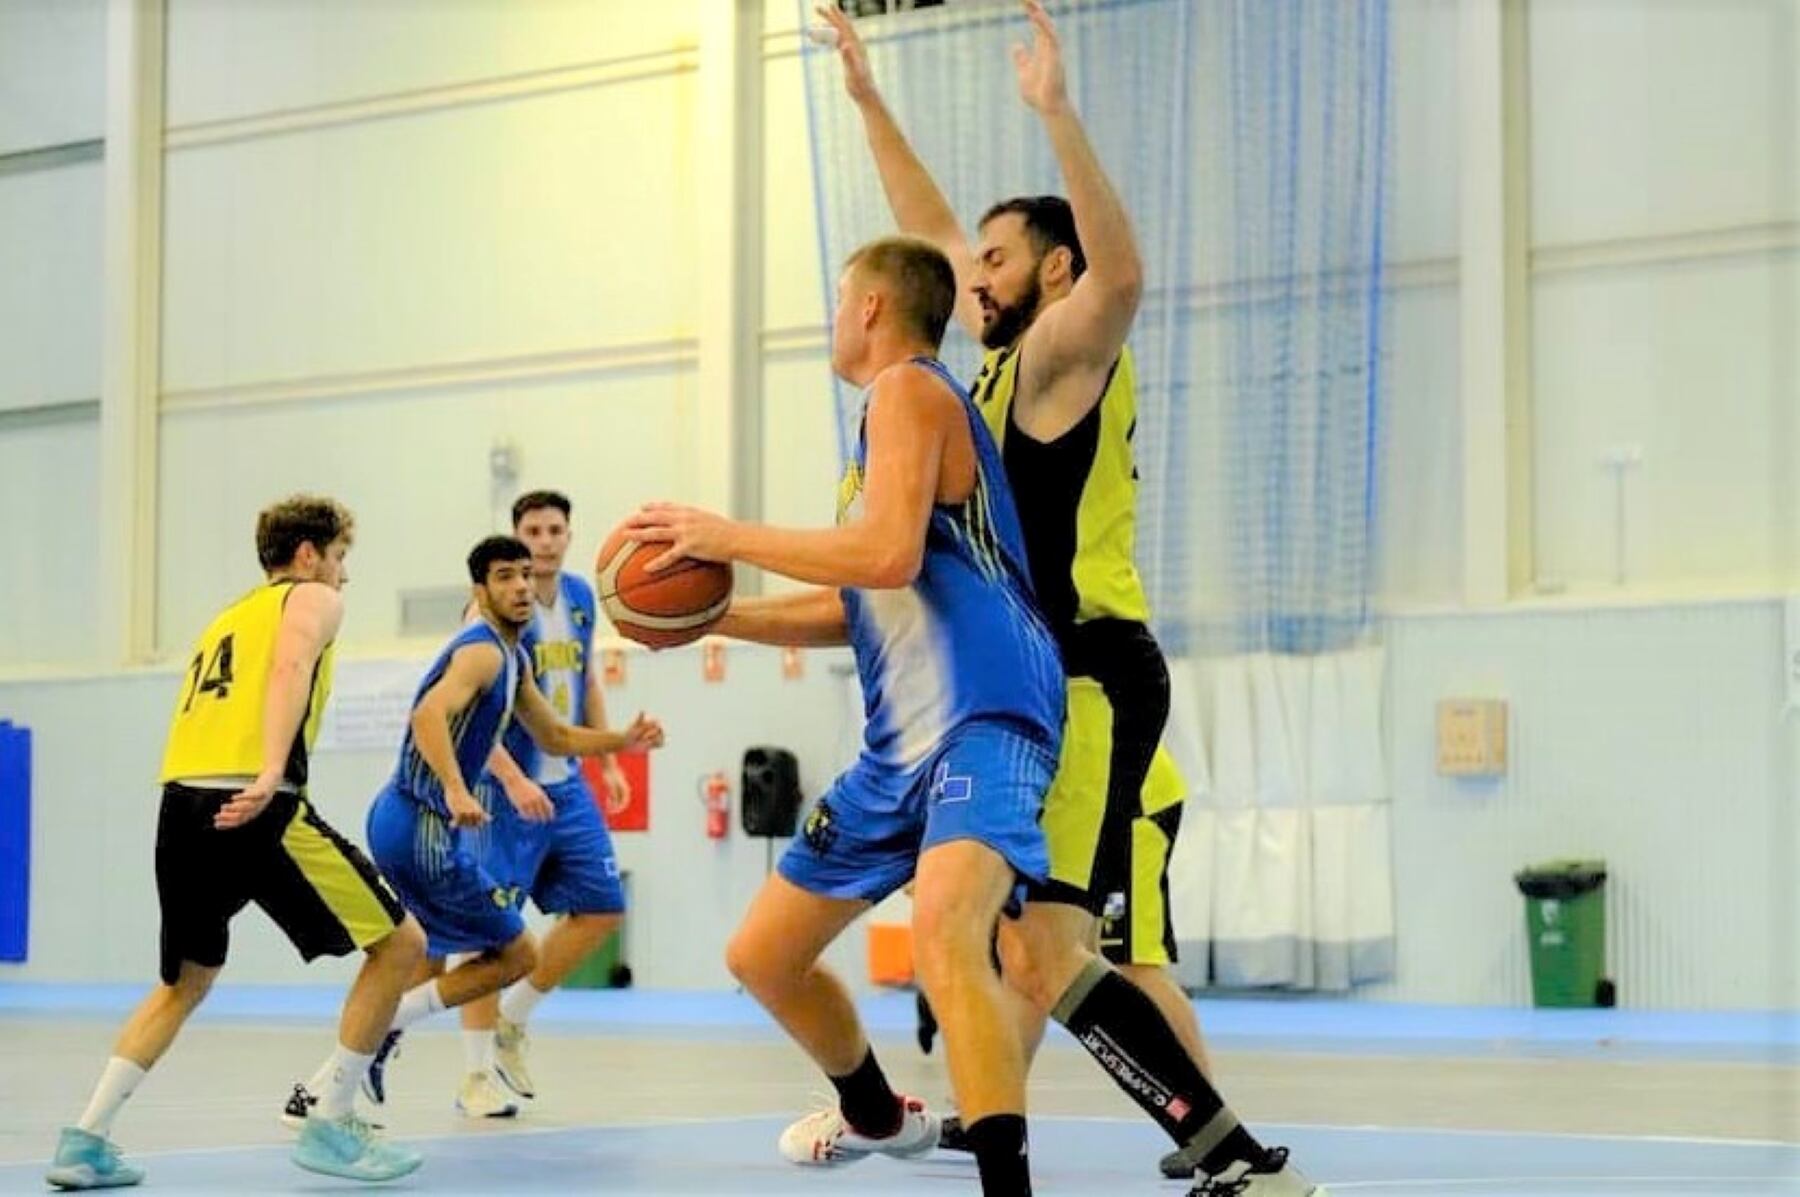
557 645
965 640
474 730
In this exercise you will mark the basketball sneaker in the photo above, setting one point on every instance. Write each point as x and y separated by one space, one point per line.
1272 1176
85 1160
482 1097
824 1139
510 1046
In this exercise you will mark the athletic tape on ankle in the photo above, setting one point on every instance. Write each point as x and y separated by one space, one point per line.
1208 1138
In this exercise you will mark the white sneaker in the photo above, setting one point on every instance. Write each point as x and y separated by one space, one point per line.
824 1139
1274 1177
510 1046
482 1097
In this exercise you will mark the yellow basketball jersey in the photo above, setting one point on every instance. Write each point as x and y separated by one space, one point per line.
217 729
1077 496
1077 501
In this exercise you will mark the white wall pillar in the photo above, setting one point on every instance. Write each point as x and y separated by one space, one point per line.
1495 302
131 336
729 179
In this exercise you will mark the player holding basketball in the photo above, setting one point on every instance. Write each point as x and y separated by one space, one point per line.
236 827
924 576
480 682
565 864
1050 291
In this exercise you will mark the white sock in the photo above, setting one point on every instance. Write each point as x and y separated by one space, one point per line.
478 1051
117 1081
338 1080
421 1001
517 1003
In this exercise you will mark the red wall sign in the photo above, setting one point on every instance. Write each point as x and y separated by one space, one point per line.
634 813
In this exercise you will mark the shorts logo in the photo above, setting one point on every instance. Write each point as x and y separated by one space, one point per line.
820 831
948 788
1114 908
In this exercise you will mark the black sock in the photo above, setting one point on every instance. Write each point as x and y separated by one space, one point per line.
866 1100
1121 1027
998 1142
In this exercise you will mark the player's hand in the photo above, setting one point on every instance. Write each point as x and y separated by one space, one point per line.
644 733
1041 82
617 786
464 810
859 80
528 798
246 804
688 531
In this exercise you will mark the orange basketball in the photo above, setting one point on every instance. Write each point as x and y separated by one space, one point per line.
663 609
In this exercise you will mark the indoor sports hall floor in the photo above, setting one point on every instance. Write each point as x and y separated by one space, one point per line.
684 1093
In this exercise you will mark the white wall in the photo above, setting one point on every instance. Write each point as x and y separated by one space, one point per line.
399 234
799 433
1663 209
52 63
1421 499
94 913
1652 737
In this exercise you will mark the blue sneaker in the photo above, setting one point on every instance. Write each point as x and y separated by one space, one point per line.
347 1147
86 1161
374 1082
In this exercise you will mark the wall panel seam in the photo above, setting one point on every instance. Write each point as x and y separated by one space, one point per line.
680 60
675 353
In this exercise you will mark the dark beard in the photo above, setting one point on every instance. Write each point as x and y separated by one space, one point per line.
1011 321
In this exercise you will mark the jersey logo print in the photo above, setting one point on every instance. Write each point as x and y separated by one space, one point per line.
950 787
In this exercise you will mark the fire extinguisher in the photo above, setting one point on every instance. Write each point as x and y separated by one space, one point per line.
715 795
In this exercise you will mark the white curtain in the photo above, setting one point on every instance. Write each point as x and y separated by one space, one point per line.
1281 874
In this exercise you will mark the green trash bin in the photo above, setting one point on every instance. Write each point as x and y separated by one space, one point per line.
1565 920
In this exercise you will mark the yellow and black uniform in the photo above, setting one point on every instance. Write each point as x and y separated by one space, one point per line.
317 887
1112 812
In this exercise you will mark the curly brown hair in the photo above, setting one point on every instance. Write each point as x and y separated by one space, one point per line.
283 527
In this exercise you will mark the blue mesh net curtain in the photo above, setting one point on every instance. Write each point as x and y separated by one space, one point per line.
1249 141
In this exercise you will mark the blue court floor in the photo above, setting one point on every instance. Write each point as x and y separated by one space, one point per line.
644 1125
1071 1156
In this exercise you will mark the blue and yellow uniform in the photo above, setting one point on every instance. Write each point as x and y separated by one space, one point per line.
432 864
566 866
1113 812
962 696
317 887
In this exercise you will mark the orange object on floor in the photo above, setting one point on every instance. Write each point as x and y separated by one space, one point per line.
890 954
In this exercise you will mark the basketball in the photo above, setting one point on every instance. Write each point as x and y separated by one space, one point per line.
663 609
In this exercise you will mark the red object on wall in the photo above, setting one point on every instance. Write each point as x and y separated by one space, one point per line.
634 813
715 795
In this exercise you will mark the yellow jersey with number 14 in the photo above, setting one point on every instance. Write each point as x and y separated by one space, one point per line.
217 728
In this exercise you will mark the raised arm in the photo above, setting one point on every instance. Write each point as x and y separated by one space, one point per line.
918 206
1085 332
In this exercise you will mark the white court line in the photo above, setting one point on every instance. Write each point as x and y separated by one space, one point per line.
496 1133
676 1120
1712 1183
1487 1132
